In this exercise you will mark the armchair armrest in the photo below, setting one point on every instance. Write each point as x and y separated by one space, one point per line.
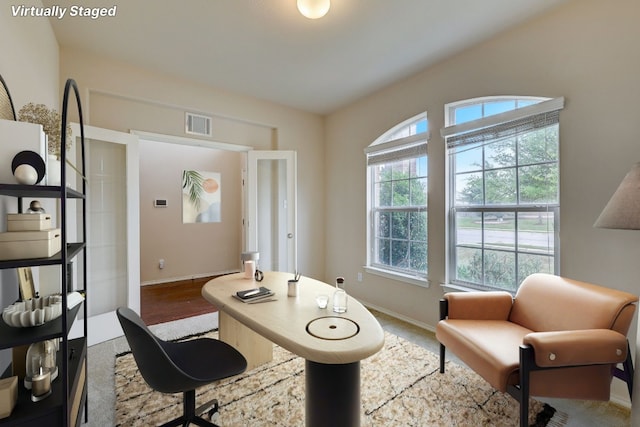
479 305
575 348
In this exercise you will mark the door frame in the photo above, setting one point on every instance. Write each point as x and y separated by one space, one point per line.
103 327
251 222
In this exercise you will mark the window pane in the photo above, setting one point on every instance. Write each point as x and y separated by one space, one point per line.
382 224
526 102
536 232
418 226
500 154
418 188
500 187
400 225
469 265
539 184
400 169
529 264
468 158
469 229
467 113
500 269
538 146
469 189
421 126
500 230
418 256
383 193
421 166
383 253
400 254
497 107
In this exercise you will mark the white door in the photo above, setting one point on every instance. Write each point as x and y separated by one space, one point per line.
113 230
270 224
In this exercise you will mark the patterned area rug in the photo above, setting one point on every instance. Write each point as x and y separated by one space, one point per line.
400 386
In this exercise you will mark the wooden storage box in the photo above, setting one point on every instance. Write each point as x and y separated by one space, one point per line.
8 395
28 222
29 244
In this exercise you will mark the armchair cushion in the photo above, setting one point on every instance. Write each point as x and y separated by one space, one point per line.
489 347
572 348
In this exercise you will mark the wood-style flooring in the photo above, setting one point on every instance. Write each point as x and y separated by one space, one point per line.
172 301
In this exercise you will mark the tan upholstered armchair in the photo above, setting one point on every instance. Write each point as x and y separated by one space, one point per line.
556 338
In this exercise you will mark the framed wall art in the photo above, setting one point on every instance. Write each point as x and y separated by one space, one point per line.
200 196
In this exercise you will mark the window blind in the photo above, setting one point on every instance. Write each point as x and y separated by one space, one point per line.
399 149
504 125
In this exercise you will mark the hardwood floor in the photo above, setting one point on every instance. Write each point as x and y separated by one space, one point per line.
172 301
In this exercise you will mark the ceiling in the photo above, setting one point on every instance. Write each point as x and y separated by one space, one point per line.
266 49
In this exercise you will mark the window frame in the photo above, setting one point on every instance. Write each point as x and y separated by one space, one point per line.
536 105
398 138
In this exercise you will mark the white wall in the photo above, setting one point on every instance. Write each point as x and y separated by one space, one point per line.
585 51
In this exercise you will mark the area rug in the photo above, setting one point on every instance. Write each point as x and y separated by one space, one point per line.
400 386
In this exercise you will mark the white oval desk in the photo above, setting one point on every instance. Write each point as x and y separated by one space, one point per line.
332 370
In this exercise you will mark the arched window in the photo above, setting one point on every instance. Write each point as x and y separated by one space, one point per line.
397 181
503 190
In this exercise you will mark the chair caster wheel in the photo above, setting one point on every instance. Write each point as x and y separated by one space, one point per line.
213 412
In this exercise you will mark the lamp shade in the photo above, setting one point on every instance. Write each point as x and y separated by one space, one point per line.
623 210
314 9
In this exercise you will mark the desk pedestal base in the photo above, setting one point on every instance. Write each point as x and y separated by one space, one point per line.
254 347
332 395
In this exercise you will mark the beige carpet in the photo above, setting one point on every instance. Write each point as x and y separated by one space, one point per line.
400 386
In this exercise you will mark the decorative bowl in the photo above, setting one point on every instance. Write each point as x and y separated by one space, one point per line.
33 312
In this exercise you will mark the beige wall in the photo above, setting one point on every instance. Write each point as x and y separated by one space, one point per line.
586 51
189 250
121 97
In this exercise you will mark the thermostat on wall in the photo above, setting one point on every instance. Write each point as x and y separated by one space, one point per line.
160 203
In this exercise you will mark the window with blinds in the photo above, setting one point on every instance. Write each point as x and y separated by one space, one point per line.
504 176
397 178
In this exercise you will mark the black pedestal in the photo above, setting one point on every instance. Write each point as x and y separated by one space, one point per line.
332 395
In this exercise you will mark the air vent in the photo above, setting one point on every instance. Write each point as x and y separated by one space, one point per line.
197 124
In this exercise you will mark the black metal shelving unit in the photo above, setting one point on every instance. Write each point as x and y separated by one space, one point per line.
69 390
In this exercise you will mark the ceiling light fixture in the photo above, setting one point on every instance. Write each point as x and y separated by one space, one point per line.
314 9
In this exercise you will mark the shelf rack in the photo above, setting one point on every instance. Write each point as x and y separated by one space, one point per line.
69 390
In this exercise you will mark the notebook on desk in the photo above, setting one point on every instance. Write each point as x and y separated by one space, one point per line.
254 294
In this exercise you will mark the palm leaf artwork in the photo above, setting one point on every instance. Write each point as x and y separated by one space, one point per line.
192 181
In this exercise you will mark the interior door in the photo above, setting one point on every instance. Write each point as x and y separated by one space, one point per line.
270 223
113 230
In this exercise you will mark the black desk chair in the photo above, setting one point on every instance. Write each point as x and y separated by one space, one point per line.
173 367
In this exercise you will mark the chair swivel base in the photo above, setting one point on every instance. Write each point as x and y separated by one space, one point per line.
191 415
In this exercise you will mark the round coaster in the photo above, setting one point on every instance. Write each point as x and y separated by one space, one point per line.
333 328
29 158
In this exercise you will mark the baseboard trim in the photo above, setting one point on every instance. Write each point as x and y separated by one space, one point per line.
398 316
190 277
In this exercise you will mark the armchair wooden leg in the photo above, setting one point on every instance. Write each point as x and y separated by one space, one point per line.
626 373
526 362
444 312
521 391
